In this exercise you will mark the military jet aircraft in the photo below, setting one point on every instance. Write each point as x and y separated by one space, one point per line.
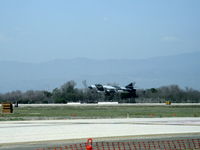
126 92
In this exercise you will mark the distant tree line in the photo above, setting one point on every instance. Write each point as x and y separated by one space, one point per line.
69 93
171 93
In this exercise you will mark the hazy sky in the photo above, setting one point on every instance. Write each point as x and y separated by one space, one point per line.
42 30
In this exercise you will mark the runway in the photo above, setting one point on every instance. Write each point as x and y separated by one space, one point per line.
45 130
108 104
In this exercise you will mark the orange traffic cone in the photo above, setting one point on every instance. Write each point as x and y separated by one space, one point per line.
89 144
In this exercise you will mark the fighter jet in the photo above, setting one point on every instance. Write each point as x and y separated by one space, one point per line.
126 92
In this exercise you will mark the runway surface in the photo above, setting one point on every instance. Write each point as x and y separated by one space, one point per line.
108 104
44 130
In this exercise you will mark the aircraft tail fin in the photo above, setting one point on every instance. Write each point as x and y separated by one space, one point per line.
130 86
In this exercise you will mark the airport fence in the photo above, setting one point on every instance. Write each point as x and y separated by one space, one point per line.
183 144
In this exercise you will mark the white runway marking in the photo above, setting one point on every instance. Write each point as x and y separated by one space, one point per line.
27 131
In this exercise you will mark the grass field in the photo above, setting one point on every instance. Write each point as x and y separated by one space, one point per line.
101 111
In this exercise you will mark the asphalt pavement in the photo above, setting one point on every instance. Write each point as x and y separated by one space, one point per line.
46 133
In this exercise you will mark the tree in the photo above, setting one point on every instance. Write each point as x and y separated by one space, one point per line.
57 96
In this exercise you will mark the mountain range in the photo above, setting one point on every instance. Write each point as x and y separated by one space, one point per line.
182 69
